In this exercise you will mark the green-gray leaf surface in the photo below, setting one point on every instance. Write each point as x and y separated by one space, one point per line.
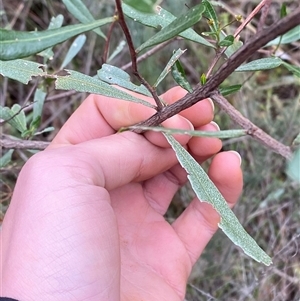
6 158
18 44
84 83
73 50
38 102
211 14
78 9
179 76
145 6
21 70
178 53
177 26
291 36
230 89
294 69
260 64
15 116
218 134
56 22
206 191
161 19
293 167
116 76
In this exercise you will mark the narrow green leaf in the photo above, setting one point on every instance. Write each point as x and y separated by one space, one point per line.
296 141
78 9
116 76
283 12
219 134
175 27
294 69
203 79
177 54
233 48
228 41
56 22
291 36
209 34
38 104
161 19
206 191
73 50
84 83
211 15
7 115
179 76
6 158
46 130
20 117
14 116
117 50
145 6
293 167
261 64
18 44
21 70
229 90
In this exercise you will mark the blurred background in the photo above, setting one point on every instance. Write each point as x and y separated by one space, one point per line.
269 208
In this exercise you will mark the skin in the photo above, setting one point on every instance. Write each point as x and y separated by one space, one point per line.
86 218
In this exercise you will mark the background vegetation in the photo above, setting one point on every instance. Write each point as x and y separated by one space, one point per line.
269 207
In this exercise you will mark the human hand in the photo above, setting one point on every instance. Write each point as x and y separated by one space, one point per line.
86 219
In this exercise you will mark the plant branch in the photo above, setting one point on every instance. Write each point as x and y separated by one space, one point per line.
251 16
106 48
237 32
121 20
246 51
22 144
252 129
148 53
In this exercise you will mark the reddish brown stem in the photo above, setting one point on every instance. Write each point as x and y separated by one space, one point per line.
133 55
246 51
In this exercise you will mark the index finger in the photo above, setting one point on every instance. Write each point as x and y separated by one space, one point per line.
100 116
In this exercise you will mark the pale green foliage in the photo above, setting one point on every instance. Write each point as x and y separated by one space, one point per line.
56 22
146 6
14 116
21 70
73 50
78 9
268 63
176 55
218 134
18 44
291 36
177 26
160 19
293 167
206 191
6 158
116 76
261 64
84 83
15 44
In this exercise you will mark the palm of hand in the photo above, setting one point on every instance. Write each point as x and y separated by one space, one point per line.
91 226
154 262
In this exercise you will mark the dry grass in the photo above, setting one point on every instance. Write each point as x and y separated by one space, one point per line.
269 207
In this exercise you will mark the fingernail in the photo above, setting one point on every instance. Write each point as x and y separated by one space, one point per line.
212 104
238 155
215 125
191 125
